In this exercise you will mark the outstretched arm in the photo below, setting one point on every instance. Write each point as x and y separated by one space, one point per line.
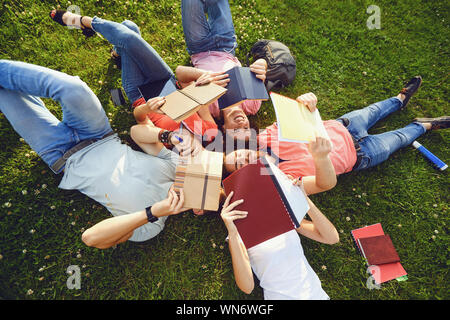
241 264
319 228
115 230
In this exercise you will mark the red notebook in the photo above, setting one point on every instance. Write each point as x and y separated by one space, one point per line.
378 250
382 272
273 203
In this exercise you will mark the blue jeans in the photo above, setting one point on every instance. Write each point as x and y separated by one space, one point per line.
140 62
22 85
377 148
215 33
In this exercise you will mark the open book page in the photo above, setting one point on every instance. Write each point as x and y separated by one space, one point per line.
295 122
178 106
204 94
293 194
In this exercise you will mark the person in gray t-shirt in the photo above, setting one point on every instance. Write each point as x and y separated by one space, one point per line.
136 187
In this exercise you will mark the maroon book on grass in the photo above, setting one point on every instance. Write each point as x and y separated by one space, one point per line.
378 250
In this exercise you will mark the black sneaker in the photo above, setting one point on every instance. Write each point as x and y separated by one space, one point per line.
436 123
410 88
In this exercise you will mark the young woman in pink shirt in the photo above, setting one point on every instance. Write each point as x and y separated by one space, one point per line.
211 43
353 148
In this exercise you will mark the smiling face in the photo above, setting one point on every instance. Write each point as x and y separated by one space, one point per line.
235 123
239 158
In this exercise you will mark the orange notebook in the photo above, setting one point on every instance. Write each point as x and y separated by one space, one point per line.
383 272
274 207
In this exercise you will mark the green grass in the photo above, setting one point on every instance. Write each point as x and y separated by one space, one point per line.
346 65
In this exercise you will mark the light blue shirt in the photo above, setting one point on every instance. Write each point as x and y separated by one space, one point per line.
122 179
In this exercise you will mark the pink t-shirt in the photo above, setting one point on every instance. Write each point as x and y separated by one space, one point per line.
219 61
301 163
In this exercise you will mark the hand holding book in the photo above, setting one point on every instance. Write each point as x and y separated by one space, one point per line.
309 100
228 214
219 78
259 68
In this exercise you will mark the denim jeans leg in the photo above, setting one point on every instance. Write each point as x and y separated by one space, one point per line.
215 33
377 148
82 111
83 115
43 132
360 121
140 62
132 75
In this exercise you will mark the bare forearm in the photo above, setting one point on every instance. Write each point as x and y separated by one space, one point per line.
322 226
325 173
112 230
141 133
140 113
188 74
241 265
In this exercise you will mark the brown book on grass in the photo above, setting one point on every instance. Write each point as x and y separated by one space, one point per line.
200 178
180 104
378 250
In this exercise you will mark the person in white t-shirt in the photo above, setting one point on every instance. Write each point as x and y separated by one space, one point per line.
279 263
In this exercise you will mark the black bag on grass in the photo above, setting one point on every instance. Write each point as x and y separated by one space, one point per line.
281 65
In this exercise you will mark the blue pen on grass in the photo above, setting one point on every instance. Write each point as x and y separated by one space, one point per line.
431 157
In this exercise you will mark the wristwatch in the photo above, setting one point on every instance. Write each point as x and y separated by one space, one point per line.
150 216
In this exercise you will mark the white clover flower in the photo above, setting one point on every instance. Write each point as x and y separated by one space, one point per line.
30 292
52 207
24 192
32 231
44 186
324 267
347 218
24 251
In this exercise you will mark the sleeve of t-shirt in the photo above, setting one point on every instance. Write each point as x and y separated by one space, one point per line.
168 155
